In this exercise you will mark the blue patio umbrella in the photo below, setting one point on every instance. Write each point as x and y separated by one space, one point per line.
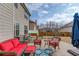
75 31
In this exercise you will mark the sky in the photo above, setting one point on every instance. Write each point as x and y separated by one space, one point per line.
62 13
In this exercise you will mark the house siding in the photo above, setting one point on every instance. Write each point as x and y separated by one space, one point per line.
68 29
19 18
6 21
10 15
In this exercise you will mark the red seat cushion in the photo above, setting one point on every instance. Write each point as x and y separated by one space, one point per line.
37 41
15 42
30 49
6 46
19 49
53 43
22 45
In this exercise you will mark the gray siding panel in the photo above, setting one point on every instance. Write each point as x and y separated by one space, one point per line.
6 21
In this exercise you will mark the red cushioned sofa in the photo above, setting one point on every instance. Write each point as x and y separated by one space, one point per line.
12 47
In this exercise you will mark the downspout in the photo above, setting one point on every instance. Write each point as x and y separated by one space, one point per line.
13 19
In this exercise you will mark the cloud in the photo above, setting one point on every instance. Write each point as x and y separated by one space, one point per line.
66 4
42 13
37 7
46 5
63 17
34 6
66 16
72 10
45 12
60 18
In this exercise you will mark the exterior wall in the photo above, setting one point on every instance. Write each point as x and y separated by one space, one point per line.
31 26
9 15
68 29
19 18
35 27
6 21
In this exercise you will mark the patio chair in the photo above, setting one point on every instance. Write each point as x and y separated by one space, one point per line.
53 44
37 42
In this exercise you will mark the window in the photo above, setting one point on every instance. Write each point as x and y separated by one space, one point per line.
16 30
16 5
25 30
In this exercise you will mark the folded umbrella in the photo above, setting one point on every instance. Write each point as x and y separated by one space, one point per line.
75 31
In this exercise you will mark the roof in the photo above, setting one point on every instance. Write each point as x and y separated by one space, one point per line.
31 21
67 25
25 8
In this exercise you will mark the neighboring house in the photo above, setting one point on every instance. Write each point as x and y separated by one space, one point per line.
33 28
65 32
14 20
66 28
32 25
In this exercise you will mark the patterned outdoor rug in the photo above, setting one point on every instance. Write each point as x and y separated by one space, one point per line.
44 52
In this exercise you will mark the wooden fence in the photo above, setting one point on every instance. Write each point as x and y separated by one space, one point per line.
63 34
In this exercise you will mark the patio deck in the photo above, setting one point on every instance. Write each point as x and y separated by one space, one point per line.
59 52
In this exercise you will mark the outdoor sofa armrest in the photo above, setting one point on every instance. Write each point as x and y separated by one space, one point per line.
3 53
